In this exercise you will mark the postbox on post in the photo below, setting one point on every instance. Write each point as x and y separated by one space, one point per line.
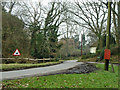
107 54
107 58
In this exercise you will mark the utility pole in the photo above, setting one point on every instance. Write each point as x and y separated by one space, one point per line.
67 34
108 33
81 44
67 40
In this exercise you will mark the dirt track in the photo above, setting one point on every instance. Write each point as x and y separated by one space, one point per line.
78 69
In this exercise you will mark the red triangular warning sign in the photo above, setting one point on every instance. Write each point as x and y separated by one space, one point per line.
16 53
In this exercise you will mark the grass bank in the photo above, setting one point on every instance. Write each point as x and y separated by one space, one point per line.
97 79
114 59
17 66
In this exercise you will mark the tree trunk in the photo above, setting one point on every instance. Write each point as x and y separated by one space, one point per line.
108 33
108 26
119 34
100 43
115 26
118 23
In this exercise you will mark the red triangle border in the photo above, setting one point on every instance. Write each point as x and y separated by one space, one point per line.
15 51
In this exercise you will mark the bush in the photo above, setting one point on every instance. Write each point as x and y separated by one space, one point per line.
114 50
88 56
21 61
102 54
98 52
8 61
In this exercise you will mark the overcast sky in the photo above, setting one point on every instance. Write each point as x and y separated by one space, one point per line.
62 28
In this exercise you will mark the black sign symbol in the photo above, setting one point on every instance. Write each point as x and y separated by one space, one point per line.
16 52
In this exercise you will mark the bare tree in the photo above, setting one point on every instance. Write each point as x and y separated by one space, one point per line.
8 6
51 26
54 15
31 14
115 23
93 16
116 20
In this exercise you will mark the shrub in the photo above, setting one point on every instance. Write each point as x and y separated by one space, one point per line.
88 56
114 50
102 54
98 52
5 61
21 61
8 61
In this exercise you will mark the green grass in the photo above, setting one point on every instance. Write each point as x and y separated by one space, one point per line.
15 66
98 79
114 59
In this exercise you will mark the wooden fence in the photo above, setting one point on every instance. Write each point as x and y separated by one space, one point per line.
31 59
25 59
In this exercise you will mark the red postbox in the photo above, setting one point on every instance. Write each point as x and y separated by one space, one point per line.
107 54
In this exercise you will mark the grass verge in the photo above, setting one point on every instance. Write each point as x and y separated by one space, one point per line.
97 79
16 66
114 59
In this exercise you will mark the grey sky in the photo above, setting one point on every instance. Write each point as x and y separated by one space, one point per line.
63 28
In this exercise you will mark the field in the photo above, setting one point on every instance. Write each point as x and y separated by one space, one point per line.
97 79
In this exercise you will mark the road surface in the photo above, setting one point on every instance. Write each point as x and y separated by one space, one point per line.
38 71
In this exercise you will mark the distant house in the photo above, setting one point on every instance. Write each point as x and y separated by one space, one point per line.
93 47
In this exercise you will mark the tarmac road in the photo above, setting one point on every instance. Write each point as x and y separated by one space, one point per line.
16 74
38 71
